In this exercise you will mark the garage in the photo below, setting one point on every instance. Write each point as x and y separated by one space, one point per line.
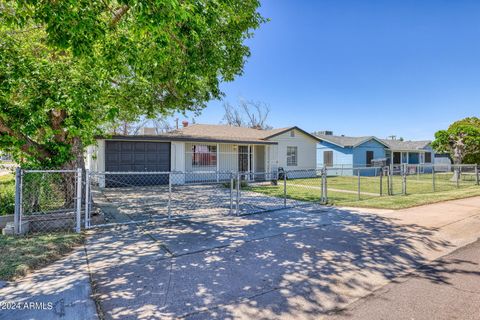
136 156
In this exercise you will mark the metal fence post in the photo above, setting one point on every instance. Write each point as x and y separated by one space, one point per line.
169 196
325 184
477 178
390 180
433 178
404 179
231 192
285 189
79 200
18 201
358 184
321 187
381 182
87 198
237 209
458 176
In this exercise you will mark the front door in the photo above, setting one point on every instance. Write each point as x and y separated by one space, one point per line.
369 158
243 155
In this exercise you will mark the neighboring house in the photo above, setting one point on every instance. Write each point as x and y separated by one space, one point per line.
409 152
354 152
206 152
344 152
333 151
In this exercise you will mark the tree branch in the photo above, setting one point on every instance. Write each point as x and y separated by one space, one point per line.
118 14
29 143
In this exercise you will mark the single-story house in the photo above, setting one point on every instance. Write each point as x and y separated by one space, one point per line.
335 151
205 152
355 152
409 152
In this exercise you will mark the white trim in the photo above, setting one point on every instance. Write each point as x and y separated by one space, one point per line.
368 139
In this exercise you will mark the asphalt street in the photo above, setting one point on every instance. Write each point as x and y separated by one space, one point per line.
448 288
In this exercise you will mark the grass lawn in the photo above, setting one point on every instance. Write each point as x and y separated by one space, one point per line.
7 194
343 190
19 255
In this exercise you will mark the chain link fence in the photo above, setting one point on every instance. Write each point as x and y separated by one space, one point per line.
132 197
49 200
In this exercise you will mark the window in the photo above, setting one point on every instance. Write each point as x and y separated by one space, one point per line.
328 158
204 155
369 158
292 133
292 156
428 157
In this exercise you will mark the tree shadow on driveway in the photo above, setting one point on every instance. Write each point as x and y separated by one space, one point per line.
291 263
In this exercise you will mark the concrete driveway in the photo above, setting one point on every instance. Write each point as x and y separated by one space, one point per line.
187 201
298 263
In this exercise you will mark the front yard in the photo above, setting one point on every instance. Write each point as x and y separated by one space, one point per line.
19 255
343 190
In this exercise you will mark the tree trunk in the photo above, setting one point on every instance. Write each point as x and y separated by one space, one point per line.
457 160
69 180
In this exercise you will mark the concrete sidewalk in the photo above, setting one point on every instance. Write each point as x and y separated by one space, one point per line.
61 290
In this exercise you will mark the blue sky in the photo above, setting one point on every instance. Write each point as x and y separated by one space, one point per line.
406 68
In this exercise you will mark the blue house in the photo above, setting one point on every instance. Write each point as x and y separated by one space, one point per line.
345 153
409 152
342 153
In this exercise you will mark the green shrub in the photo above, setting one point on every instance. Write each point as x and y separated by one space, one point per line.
7 194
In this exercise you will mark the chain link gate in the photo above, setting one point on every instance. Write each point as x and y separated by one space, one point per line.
137 197
47 201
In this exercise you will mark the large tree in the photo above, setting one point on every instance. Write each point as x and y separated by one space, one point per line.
69 67
461 140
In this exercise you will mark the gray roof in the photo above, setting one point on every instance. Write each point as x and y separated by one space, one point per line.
406 145
344 141
218 133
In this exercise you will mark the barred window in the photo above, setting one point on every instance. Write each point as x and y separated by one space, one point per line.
292 156
204 155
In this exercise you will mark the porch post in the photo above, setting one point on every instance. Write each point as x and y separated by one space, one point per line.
248 160
218 162
253 159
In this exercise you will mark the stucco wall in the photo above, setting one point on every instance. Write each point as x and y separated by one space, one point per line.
307 155
95 156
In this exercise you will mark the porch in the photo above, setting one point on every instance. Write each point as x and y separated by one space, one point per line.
409 157
215 162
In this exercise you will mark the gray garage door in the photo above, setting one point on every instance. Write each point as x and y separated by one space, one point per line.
136 156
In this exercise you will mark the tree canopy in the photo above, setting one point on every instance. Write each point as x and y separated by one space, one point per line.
461 140
68 67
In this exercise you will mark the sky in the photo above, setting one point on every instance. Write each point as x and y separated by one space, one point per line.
404 68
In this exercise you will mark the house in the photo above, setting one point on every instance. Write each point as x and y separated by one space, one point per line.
345 153
203 152
409 152
355 152
334 151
